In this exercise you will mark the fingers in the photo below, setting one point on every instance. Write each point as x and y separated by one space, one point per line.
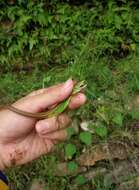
77 101
56 95
55 123
43 127
56 136
37 92
46 98
44 90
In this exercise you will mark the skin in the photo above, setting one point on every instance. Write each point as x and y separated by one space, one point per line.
58 109
23 139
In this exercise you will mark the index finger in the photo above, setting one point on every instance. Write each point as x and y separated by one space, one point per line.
41 101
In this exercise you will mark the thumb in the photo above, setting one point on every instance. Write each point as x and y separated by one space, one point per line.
49 97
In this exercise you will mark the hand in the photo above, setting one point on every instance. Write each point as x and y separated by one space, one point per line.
23 139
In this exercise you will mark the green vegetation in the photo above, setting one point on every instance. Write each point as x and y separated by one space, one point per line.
70 150
46 42
72 166
86 137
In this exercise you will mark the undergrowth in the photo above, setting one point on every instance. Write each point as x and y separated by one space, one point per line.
47 42
46 33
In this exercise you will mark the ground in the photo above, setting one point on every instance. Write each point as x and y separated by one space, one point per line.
96 42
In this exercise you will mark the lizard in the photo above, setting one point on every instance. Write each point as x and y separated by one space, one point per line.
60 108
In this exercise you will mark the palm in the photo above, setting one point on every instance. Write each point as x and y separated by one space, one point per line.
27 148
23 144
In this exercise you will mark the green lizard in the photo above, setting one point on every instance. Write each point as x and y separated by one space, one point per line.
53 112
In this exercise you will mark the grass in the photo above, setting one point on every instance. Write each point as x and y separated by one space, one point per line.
108 90
96 42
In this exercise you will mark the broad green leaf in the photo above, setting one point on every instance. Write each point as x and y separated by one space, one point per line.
86 137
70 132
118 119
80 180
72 166
70 150
41 17
101 131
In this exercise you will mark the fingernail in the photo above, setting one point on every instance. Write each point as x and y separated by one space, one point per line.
68 83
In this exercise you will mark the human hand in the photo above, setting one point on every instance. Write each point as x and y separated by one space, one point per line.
23 139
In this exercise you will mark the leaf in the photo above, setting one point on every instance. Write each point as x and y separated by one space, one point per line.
86 137
68 169
88 125
70 132
134 114
101 131
118 119
80 180
102 113
72 166
70 150
42 19
32 42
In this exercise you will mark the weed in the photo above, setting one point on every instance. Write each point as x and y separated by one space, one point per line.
43 43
